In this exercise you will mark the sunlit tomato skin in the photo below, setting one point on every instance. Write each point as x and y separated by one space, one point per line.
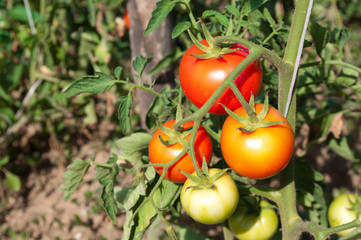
210 205
262 153
340 212
250 225
200 78
159 153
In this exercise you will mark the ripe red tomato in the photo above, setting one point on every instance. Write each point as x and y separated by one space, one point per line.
199 78
262 153
126 19
159 153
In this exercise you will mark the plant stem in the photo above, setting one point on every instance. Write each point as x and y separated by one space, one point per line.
192 18
290 220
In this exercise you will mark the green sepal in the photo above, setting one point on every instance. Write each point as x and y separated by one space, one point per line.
169 142
230 27
236 117
217 175
211 42
166 130
265 108
263 124
204 167
197 43
195 179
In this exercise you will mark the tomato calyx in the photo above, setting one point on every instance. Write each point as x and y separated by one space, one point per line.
254 120
214 50
203 181
175 135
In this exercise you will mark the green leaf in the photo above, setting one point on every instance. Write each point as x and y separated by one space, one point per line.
170 193
342 148
12 181
222 19
188 233
128 226
133 146
180 28
107 177
90 84
117 72
140 63
19 13
269 17
91 116
146 215
4 161
7 115
76 171
3 94
252 5
91 12
319 36
157 107
124 112
233 10
163 8
340 36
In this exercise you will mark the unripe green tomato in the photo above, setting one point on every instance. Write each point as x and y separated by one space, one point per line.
248 224
340 212
210 205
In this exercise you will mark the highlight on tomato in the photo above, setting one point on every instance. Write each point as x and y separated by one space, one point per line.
259 153
252 219
342 211
159 153
212 203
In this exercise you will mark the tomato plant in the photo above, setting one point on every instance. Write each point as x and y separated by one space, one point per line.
342 211
259 154
199 78
253 219
211 204
159 153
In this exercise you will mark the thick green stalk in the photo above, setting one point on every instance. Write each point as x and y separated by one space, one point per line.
290 220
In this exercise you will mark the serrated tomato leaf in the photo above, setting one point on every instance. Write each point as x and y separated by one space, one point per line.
163 8
252 5
90 84
74 176
125 103
140 63
132 147
180 28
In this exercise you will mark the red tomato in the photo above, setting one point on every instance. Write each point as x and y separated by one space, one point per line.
199 78
262 153
159 153
126 19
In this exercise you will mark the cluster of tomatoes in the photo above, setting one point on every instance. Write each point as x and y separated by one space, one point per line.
259 154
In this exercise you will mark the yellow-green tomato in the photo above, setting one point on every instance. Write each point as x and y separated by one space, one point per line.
210 205
340 212
246 223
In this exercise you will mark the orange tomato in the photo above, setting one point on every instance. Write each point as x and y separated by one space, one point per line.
159 153
262 153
